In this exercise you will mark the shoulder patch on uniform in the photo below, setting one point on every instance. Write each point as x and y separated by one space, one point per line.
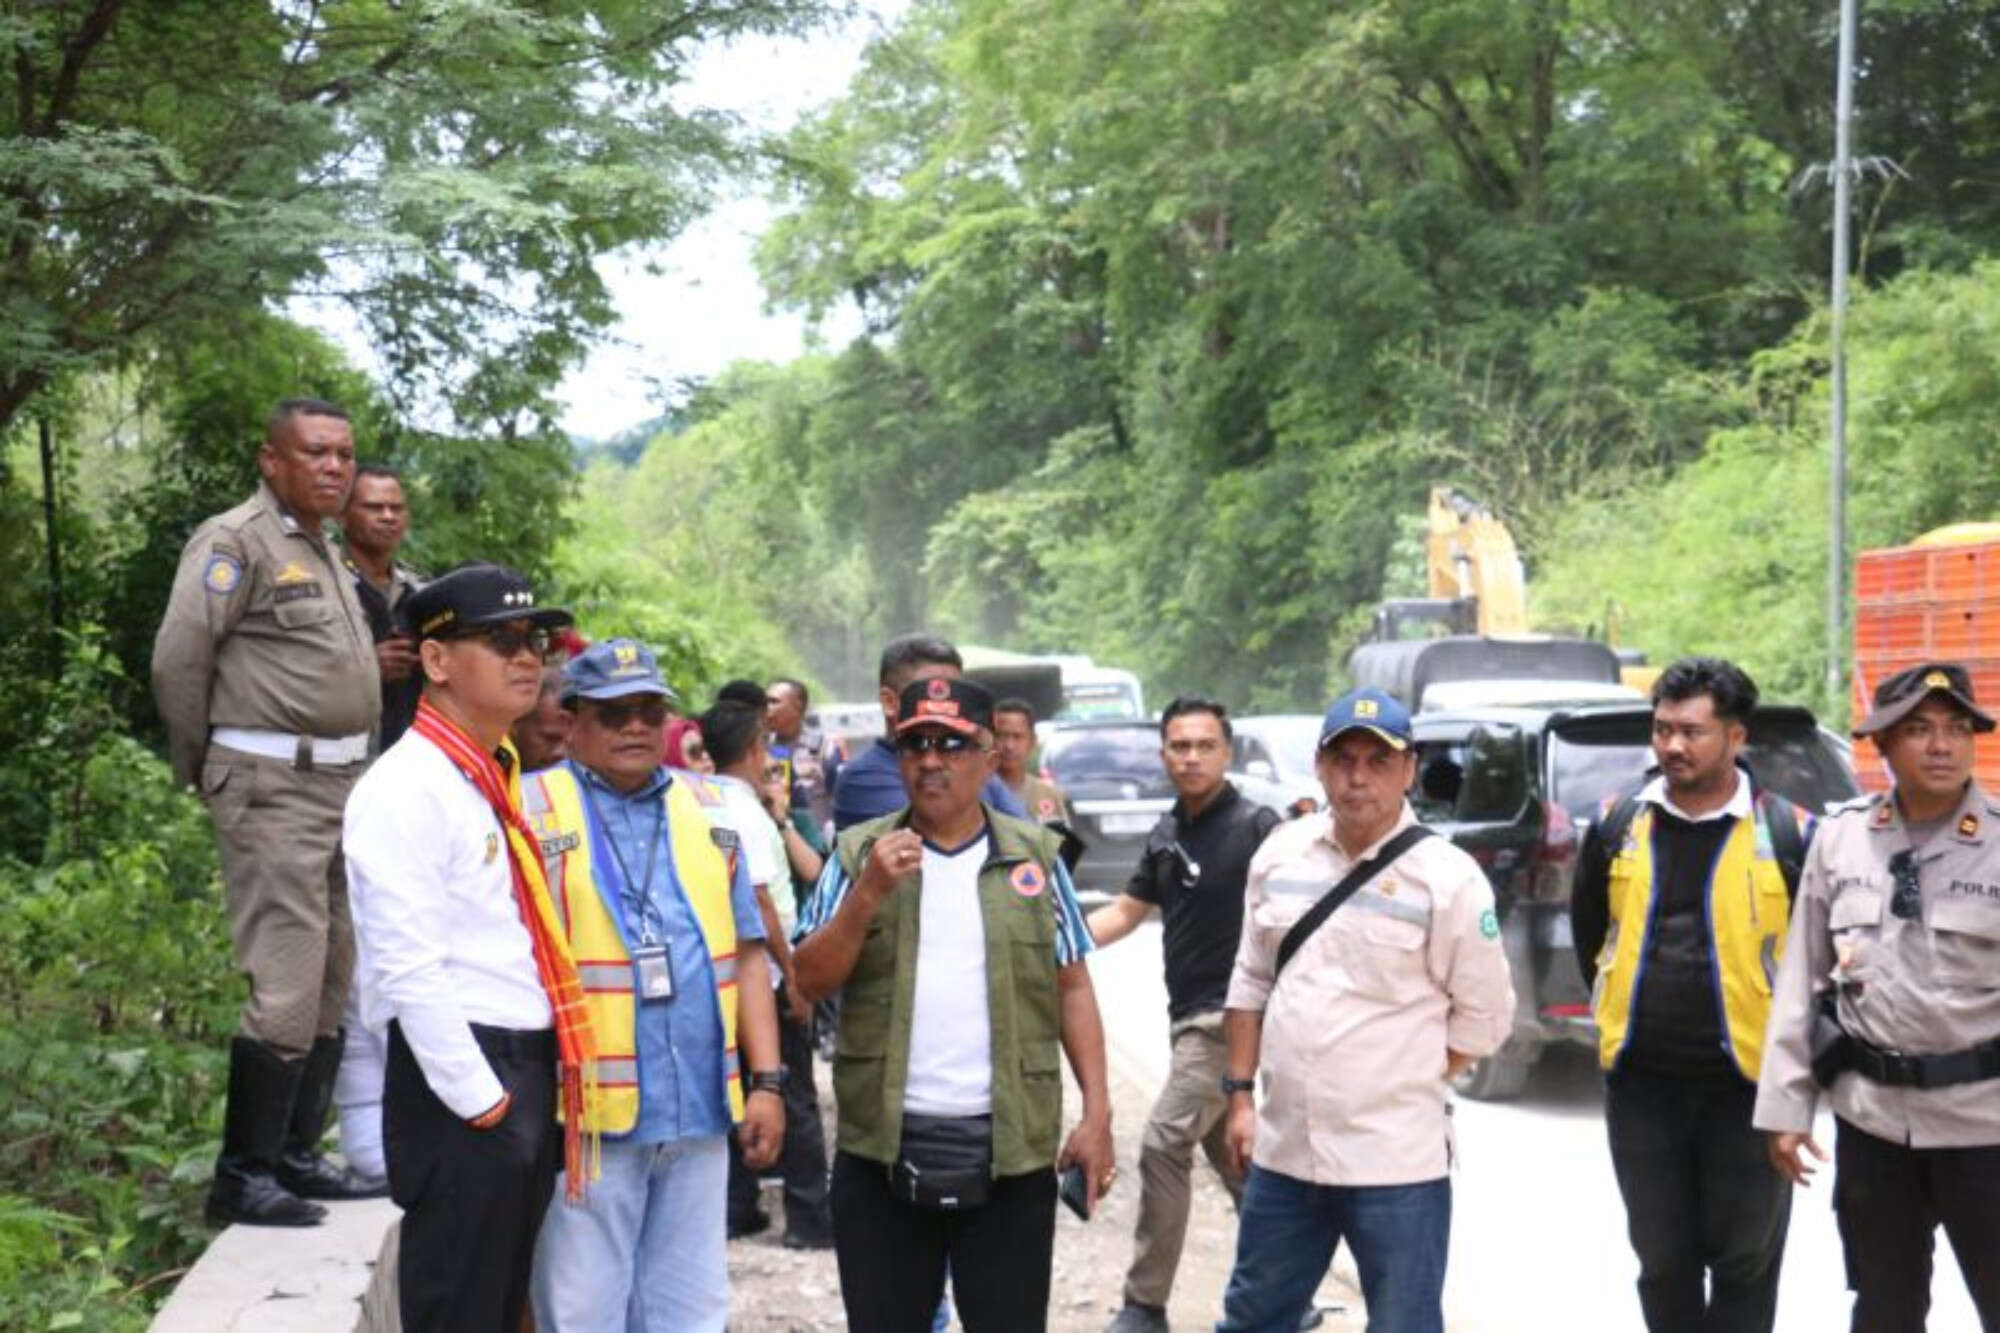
222 573
1027 879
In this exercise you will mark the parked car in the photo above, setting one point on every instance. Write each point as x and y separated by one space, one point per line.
1271 761
1117 789
1516 787
850 727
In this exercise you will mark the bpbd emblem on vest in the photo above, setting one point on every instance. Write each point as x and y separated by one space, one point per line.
1028 879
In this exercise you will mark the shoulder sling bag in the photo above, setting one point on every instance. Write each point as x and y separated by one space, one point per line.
1317 914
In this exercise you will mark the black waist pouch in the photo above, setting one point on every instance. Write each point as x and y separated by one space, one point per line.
944 1161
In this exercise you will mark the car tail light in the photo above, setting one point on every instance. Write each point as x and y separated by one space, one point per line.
1554 857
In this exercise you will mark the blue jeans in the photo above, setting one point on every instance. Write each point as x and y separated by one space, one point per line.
1286 1239
645 1251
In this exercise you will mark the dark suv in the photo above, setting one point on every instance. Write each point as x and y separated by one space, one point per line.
1516 787
1117 789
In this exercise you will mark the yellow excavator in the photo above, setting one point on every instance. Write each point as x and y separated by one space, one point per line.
1476 583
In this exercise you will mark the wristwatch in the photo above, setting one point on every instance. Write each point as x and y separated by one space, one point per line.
768 1080
1232 1086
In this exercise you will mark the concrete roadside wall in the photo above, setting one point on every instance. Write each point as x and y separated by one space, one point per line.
283 1279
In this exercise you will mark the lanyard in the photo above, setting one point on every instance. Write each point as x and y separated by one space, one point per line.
635 894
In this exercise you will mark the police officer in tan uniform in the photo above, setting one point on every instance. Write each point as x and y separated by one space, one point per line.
264 671
1889 998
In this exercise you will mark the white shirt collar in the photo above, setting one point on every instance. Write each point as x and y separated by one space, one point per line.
1736 807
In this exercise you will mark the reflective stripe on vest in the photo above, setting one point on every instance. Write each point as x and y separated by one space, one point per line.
1748 910
553 802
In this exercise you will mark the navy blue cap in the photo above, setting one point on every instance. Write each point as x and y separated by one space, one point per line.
614 669
476 595
1371 710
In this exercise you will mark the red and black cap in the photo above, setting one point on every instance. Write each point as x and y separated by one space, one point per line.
475 595
963 706
1898 696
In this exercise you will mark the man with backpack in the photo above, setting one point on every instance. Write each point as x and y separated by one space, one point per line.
1682 896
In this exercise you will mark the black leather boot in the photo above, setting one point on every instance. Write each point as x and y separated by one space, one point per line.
302 1169
246 1191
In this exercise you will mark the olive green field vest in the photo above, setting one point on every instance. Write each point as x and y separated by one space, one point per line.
871 1063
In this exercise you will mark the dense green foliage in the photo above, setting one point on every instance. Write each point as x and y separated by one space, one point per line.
178 182
1173 311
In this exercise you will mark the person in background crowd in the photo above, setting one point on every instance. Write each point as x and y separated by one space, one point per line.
1013 744
735 736
464 961
542 737
955 934
266 676
870 784
811 764
1889 999
1193 872
1357 1020
1686 887
662 911
374 524
685 748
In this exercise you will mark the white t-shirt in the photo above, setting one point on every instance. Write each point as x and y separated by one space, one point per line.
745 815
951 1029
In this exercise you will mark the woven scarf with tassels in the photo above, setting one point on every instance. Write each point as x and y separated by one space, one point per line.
576 1047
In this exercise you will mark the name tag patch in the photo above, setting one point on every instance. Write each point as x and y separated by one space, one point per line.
556 846
292 592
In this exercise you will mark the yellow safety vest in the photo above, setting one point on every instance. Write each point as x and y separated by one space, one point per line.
1748 909
553 802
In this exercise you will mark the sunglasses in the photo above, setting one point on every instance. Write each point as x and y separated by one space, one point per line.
935 742
652 712
508 640
1907 903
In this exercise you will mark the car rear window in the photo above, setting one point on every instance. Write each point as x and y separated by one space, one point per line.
1596 760
1100 754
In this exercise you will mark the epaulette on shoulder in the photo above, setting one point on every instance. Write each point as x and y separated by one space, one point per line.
1865 802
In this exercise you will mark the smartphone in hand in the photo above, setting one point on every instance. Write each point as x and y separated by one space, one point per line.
1073 1192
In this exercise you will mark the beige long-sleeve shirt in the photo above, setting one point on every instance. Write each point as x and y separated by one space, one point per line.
262 630
1356 1030
1920 987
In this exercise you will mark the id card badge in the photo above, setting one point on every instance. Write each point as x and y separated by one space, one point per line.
651 972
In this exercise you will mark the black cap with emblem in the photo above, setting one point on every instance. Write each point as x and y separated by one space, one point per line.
475 595
1898 696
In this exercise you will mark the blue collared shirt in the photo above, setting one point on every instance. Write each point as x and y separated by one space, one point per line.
682 1093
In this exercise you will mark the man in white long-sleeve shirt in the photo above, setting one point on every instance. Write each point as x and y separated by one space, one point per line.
456 963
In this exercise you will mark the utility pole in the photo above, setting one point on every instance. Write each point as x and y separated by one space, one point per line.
1843 181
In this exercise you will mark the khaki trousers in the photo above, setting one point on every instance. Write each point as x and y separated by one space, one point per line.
284 883
1189 1112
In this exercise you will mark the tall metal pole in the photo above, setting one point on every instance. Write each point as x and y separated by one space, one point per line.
1843 179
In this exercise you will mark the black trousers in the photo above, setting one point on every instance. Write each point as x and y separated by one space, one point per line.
802 1159
1705 1212
472 1199
893 1254
1889 1200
